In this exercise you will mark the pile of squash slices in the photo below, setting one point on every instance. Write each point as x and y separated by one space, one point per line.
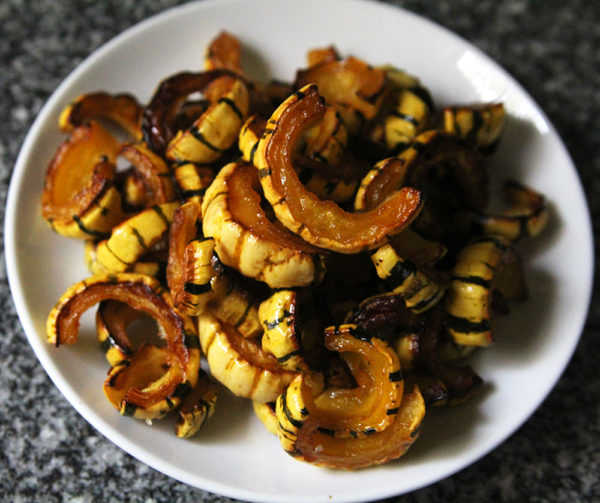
322 247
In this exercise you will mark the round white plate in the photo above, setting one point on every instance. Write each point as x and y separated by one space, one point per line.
234 455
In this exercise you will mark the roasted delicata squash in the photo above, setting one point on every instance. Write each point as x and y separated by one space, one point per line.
291 331
133 238
526 215
481 125
327 241
484 265
152 171
217 129
266 413
197 406
112 321
409 112
189 268
121 109
414 166
233 305
354 86
351 428
239 363
247 240
419 290
224 51
192 180
149 383
321 223
80 198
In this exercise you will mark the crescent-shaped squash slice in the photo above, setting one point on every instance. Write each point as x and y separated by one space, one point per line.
80 198
321 223
351 428
482 266
247 240
239 363
152 381
123 109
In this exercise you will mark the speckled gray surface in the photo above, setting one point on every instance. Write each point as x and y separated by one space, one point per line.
49 453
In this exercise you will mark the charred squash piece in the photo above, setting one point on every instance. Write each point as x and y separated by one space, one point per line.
122 109
217 129
482 266
429 150
150 383
315 423
153 173
197 406
134 237
247 240
481 125
112 320
160 116
321 223
80 199
527 214
188 272
239 363
353 85
224 51
419 290
320 55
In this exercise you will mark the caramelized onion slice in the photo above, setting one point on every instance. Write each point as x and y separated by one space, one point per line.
321 223
247 240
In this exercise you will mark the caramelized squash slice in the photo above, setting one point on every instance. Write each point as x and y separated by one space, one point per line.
122 109
321 223
351 428
80 199
152 381
247 240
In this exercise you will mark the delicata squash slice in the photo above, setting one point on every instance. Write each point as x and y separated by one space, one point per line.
354 86
321 223
134 237
151 382
247 240
122 109
80 199
216 130
239 363
197 406
482 266
351 428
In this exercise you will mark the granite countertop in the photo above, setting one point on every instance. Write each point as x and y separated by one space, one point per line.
48 452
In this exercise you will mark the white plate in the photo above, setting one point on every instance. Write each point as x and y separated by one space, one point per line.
234 455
